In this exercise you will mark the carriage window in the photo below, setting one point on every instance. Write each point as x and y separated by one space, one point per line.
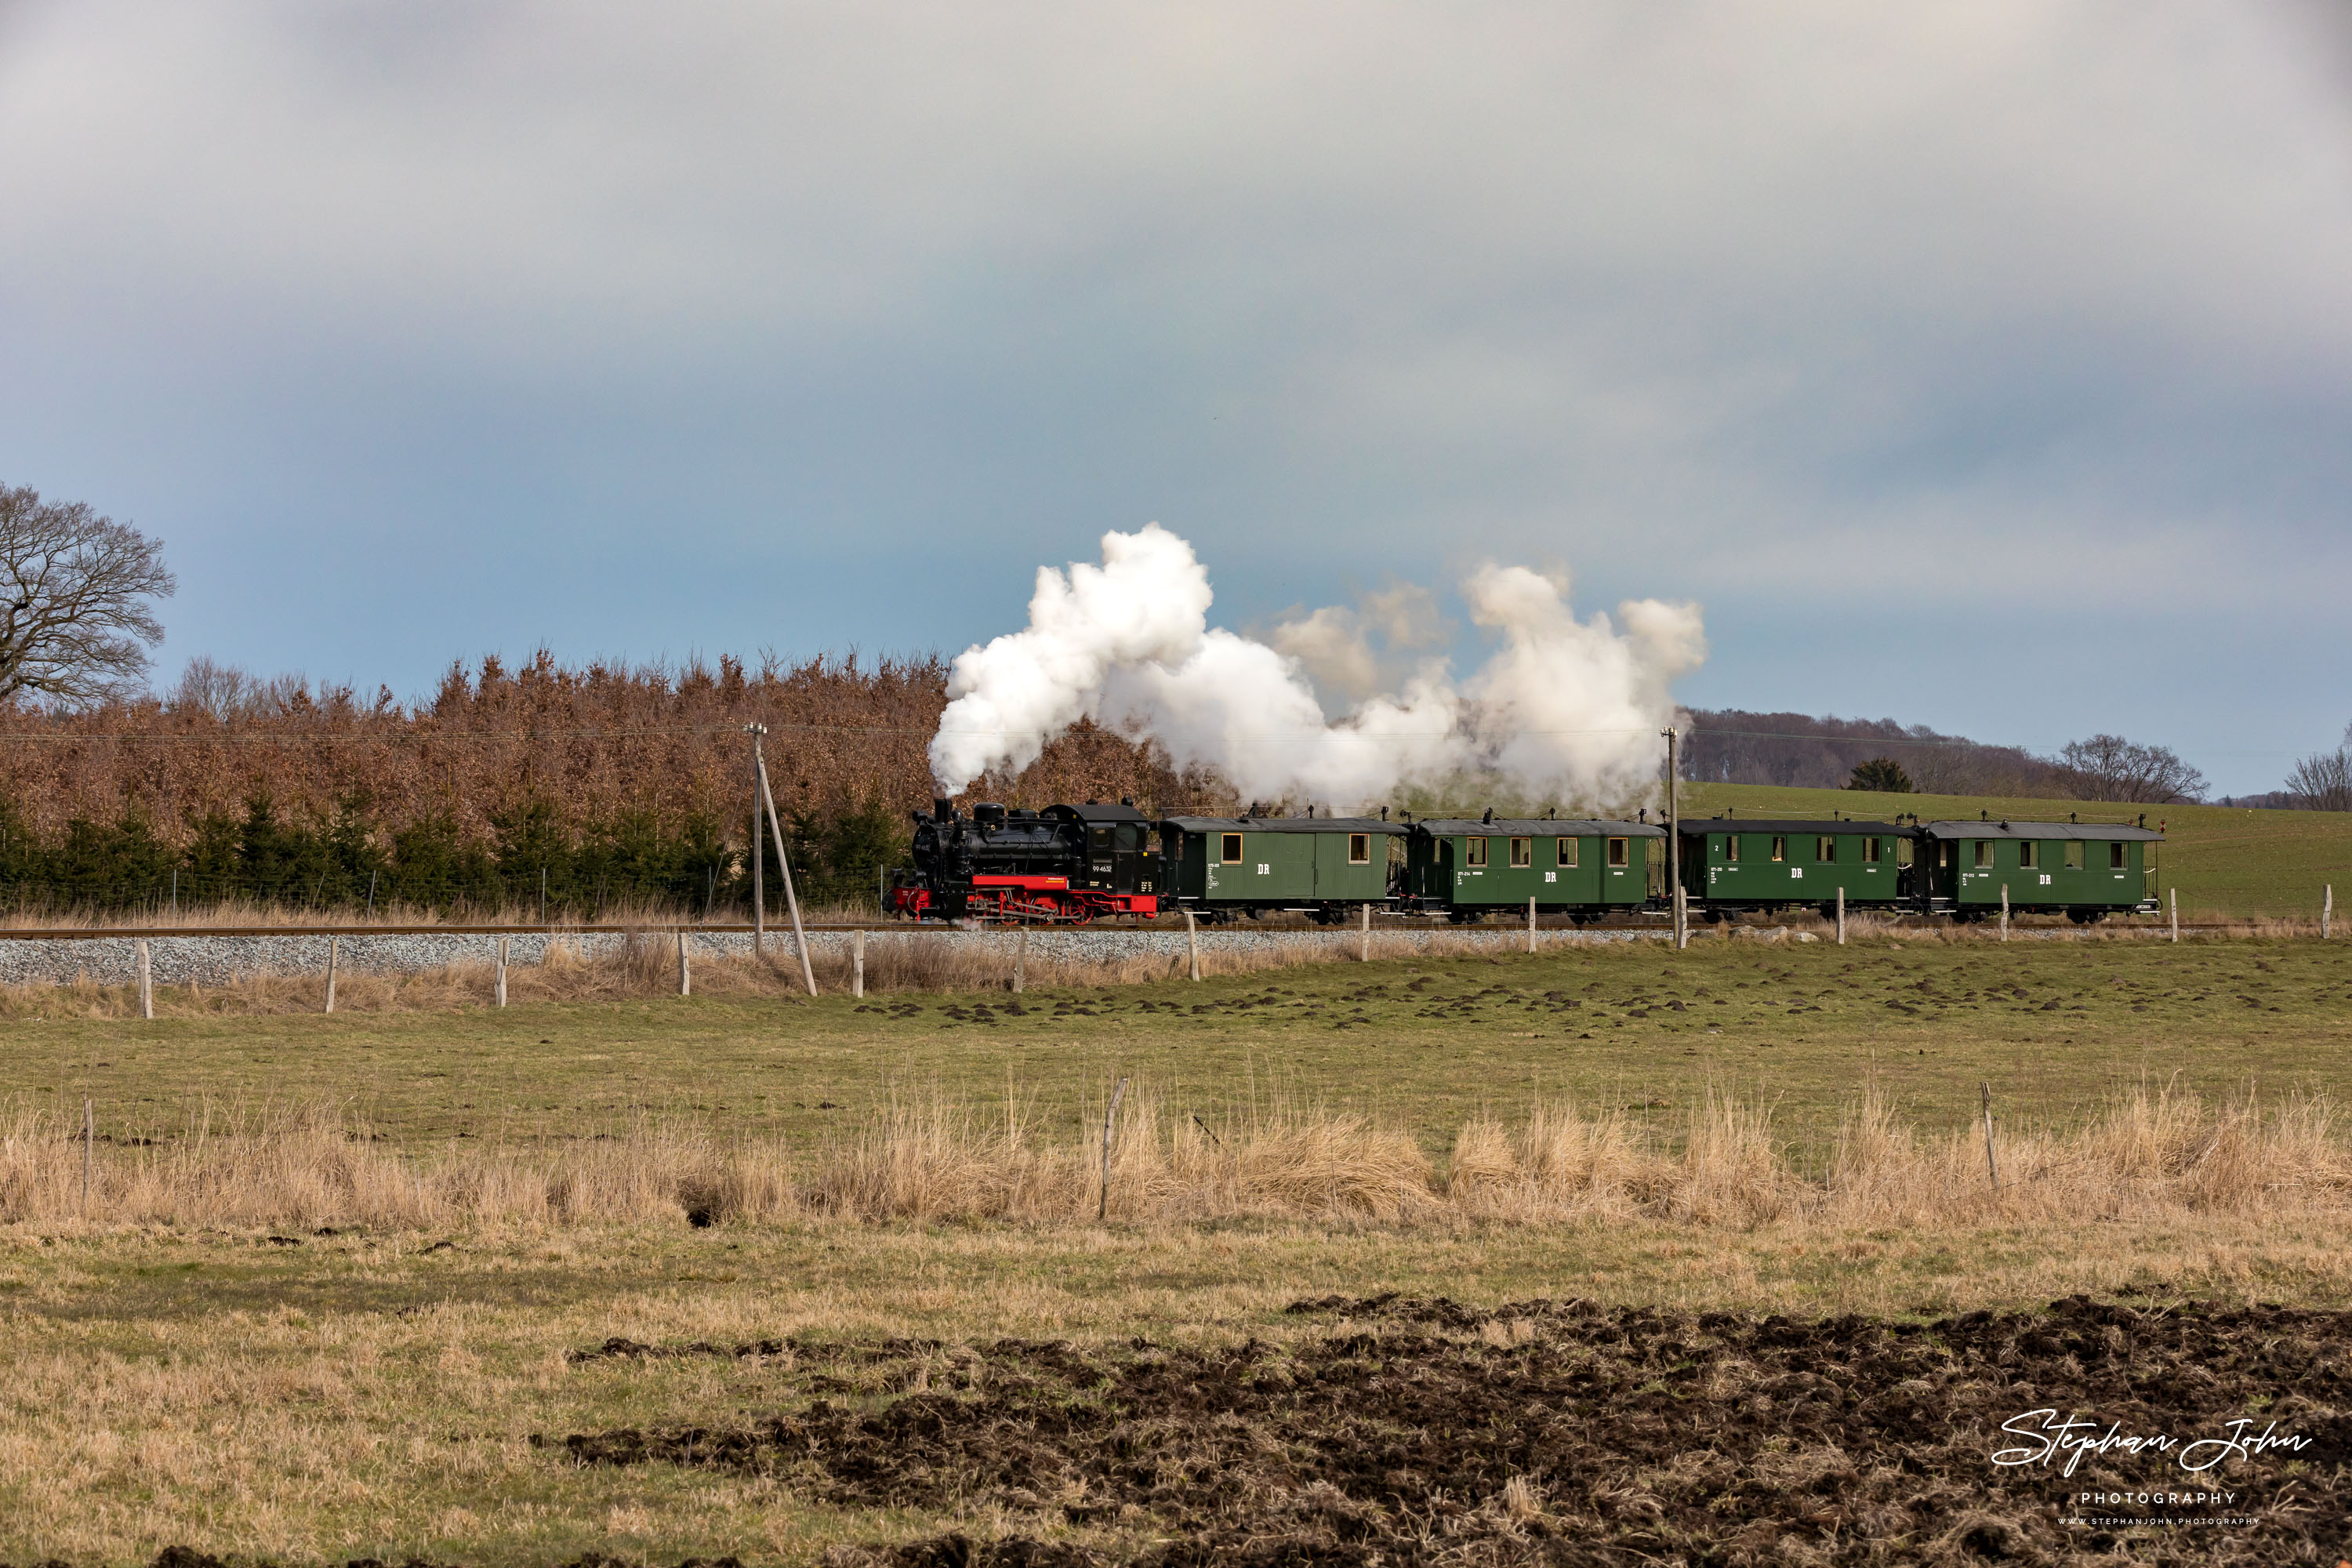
1523 852
1360 849
1731 848
1780 847
1478 848
1617 851
2073 854
2116 855
1984 853
1565 852
1229 851
1947 855
1825 848
1870 851
2026 856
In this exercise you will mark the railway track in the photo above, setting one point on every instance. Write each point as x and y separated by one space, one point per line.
1388 923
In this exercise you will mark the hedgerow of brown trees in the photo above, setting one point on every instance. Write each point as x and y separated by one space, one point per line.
592 742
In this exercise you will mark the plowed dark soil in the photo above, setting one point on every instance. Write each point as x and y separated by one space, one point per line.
1418 1431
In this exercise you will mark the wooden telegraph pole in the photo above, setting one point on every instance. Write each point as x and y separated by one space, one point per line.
1675 837
783 861
759 891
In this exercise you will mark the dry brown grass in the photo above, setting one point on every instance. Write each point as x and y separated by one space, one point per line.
1875 928
2153 1154
644 964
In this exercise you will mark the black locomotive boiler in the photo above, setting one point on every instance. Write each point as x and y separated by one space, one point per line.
1065 865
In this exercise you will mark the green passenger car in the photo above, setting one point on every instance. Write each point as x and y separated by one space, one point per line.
1325 866
1471 869
2085 870
1730 864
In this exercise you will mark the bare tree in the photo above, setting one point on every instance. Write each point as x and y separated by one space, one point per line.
75 623
226 693
2323 782
2108 767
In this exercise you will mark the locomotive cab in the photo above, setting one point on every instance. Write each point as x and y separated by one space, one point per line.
1117 848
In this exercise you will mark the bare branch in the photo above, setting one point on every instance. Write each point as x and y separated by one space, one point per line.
75 623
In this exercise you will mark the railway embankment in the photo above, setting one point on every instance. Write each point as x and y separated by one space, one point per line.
214 959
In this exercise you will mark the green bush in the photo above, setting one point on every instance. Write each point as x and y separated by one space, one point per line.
348 860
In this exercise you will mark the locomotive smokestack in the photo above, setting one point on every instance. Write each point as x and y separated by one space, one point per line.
942 809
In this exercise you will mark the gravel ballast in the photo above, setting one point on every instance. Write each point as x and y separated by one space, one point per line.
220 960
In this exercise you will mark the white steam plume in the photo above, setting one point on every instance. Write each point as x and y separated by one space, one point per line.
1565 710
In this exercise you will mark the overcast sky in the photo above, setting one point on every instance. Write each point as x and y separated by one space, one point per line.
1985 365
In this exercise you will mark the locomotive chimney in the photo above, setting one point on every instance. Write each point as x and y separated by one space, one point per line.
942 809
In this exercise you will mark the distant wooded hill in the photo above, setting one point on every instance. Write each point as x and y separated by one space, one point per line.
1798 751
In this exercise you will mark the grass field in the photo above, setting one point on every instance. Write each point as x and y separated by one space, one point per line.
2227 862
2053 1026
326 1391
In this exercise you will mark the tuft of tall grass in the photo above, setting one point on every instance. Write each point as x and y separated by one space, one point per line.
2151 1154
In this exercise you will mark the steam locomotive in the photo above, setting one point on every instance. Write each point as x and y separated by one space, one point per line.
1065 865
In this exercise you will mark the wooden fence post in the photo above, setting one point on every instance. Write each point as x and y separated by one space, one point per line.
1531 925
1192 944
146 981
2326 909
2172 902
334 950
88 1148
1102 1209
1364 934
857 962
2004 911
1020 958
685 966
1841 917
498 976
1991 1168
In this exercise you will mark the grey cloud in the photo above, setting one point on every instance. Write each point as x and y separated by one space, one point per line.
1764 301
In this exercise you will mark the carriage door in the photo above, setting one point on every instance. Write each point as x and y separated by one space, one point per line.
1132 869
